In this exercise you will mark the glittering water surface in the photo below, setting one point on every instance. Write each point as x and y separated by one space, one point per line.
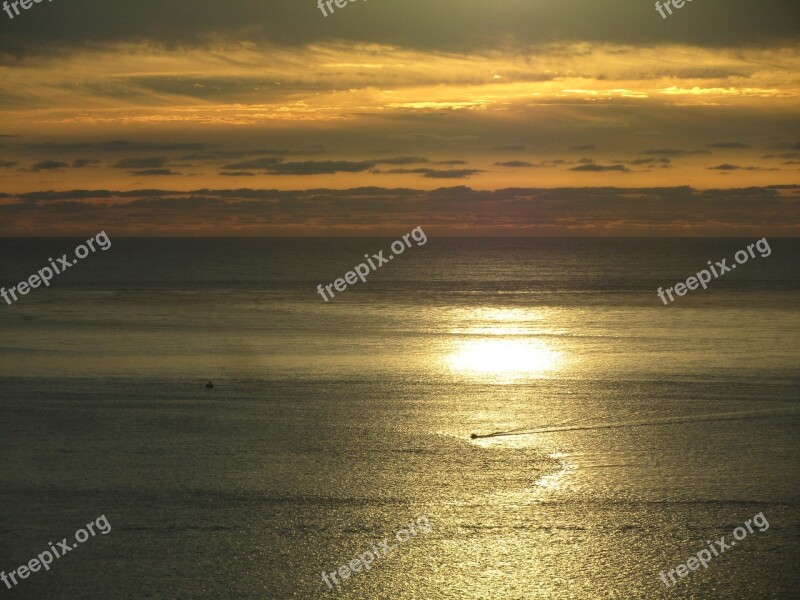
613 435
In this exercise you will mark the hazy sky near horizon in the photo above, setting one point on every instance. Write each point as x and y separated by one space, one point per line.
502 117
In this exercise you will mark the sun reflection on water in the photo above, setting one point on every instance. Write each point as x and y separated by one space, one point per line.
505 358
502 344
556 480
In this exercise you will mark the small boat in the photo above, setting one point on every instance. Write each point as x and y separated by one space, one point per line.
209 385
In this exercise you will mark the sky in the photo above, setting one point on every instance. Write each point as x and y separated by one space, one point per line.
501 117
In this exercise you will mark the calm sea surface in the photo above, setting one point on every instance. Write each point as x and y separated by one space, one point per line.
621 433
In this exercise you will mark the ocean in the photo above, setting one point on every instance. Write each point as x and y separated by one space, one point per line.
614 437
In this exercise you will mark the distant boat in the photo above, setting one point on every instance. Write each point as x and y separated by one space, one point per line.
209 385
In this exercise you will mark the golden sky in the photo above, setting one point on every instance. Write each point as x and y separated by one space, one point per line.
486 118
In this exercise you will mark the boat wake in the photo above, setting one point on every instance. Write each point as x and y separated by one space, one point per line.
581 425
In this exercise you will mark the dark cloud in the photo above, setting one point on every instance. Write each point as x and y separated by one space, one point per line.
437 173
259 163
141 163
725 167
83 162
544 163
237 173
603 210
674 152
786 155
451 162
451 173
327 167
730 167
154 172
584 147
434 137
322 167
510 148
215 88
649 161
86 195
674 71
49 165
188 204
7 164
236 153
404 160
601 168
728 145
786 146
514 163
